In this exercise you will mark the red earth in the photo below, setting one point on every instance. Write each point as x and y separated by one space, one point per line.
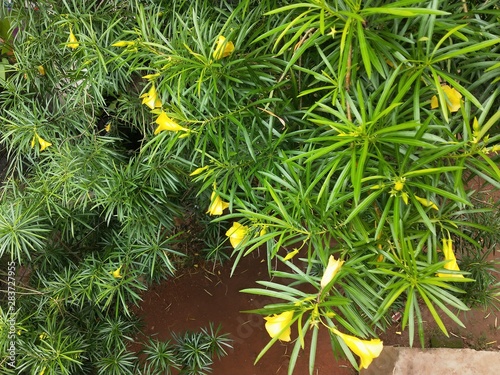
192 300
207 294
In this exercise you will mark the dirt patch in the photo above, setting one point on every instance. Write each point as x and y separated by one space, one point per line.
192 300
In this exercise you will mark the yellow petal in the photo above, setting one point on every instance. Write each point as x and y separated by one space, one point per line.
73 42
453 98
331 270
367 350
426 203
434 102
217 205
277 323
237 234
108 127
223 48
41 70
43 143
151 98
291 254
116 273
166 123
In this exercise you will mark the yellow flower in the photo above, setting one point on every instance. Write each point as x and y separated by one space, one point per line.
427 203
367 350
151 98
43 336
237 233
197 171
453 99
331 270
449 255
41 70
277 323
123 43
291 254
43 371
108 127
223 48
116 273
73 42
217 205
166 123
43 143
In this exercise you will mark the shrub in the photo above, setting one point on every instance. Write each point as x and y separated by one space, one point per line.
338 135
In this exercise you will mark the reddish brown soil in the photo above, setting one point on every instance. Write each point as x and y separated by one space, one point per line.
191 301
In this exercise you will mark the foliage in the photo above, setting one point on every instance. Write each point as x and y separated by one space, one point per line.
346 128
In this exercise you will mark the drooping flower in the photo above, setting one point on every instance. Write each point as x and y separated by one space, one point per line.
166 123
453 99
291 254
42 142
426 203
223 48
116 273
451 263
72 42
237 233
197 171
331 270
277 323
151 98
367 350
217 205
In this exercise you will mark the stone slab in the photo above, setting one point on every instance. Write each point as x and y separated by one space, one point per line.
441 361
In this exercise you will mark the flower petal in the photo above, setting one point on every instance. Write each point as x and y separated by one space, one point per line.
223 48
367 350
331 270
277 323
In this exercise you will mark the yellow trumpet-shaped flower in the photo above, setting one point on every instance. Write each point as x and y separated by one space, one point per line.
277 323
72 42
223 48
166 123
151 98
42 142
331 270
217 205
367 350
449 255
117 273
237 233
453 99
427 203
